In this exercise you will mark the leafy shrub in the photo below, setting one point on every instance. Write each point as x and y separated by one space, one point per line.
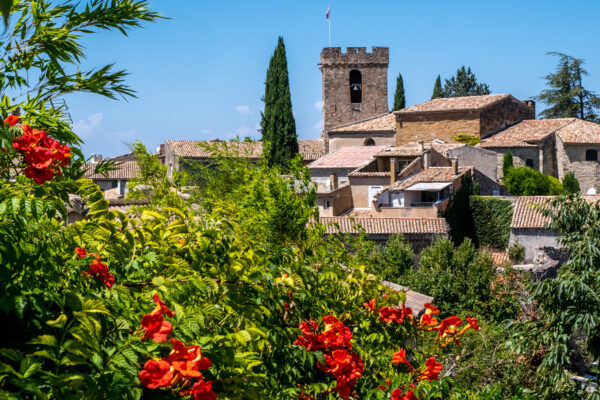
458 213
570 184
492 218
516 252
394 259
524 181
467 139
507 163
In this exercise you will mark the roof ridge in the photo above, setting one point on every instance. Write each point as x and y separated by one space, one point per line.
362 120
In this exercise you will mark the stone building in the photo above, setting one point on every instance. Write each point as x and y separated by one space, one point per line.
115 181
443 119
354 86
552 146
375 131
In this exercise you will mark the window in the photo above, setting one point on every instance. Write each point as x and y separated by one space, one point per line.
591 155
326 204
114 184
355 86
529 163
369 142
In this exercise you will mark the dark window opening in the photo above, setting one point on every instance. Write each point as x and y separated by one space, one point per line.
326 204
591 155
529 163
369 142
355 86
114 184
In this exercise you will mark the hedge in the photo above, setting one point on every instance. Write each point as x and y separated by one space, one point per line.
492 217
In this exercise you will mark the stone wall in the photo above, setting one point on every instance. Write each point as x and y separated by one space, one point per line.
335 71
337 140
430 126
571 158
520 156
484 161
532 239
340 201
549 156
321 175
503 113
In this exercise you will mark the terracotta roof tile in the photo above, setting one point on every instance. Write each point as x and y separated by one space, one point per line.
526 133
412 149
358 213
381 123
126 170
347 157
385 226
527 211
309 149
580 132
499 258
467 103
431 174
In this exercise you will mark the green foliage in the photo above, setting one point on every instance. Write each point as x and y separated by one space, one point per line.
492 218
507 163
516 252
524 181
567 319
437 89
565 96
399 98
393 260
458 213
278 126
570 184
467 139
464 84
460 280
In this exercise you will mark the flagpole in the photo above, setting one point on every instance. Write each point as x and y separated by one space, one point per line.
329 20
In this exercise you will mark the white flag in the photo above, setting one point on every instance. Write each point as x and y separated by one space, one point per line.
327 12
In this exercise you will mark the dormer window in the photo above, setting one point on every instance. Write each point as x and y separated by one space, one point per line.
591 155
369 142
355 86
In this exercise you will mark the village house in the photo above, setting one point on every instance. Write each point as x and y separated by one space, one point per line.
114 184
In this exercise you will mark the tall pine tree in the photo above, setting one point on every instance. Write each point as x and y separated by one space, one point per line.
437 89
399 99
565 96
464 84
277 125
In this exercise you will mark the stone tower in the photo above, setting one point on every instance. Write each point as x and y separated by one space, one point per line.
354 85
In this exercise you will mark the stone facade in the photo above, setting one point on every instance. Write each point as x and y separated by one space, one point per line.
335 69
503 113
533 239
338 139
360 189
571 158
334 202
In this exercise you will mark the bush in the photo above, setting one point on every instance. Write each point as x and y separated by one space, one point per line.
570 184
467 139
458 213
524 181
516 252
394 259
492 218
507 162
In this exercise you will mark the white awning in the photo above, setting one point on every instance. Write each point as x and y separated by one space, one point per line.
427 186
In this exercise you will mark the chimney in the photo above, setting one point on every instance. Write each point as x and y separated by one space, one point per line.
421 146
97 157
426 159
531 105
454 165
392 171
333 181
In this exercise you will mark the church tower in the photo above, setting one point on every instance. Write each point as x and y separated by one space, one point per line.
354 85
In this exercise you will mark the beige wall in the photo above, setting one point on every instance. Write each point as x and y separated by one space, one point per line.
571 158
337 140
406 212
428 127
360 189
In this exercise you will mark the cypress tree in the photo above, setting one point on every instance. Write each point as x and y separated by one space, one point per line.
507 163
570 183
437 89
399 99
277 125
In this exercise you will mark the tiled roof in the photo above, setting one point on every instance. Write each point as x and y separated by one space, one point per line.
414 300
126 170
467 103
381 123
527 211
309 149
358 213
347 157
431 174
580 132
412 149
384 226
526 133
499 258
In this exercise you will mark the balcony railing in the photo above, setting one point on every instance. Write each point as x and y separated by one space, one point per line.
422 204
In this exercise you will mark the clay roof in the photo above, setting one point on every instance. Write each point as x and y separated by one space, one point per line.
347 157
126 170
526 133
499 258
526 213
467 103
309 149
380 123
580 132
431 174
384 226
411 149
358 213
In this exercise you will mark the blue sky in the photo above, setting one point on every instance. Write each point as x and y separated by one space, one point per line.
200 74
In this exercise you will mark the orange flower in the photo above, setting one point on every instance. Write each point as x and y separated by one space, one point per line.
399 357
156 328
161 307
428 321
11 120
156 374
202 390
473 323
397 395
431 371
370 305
80 252
448 325
431 309
187 361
